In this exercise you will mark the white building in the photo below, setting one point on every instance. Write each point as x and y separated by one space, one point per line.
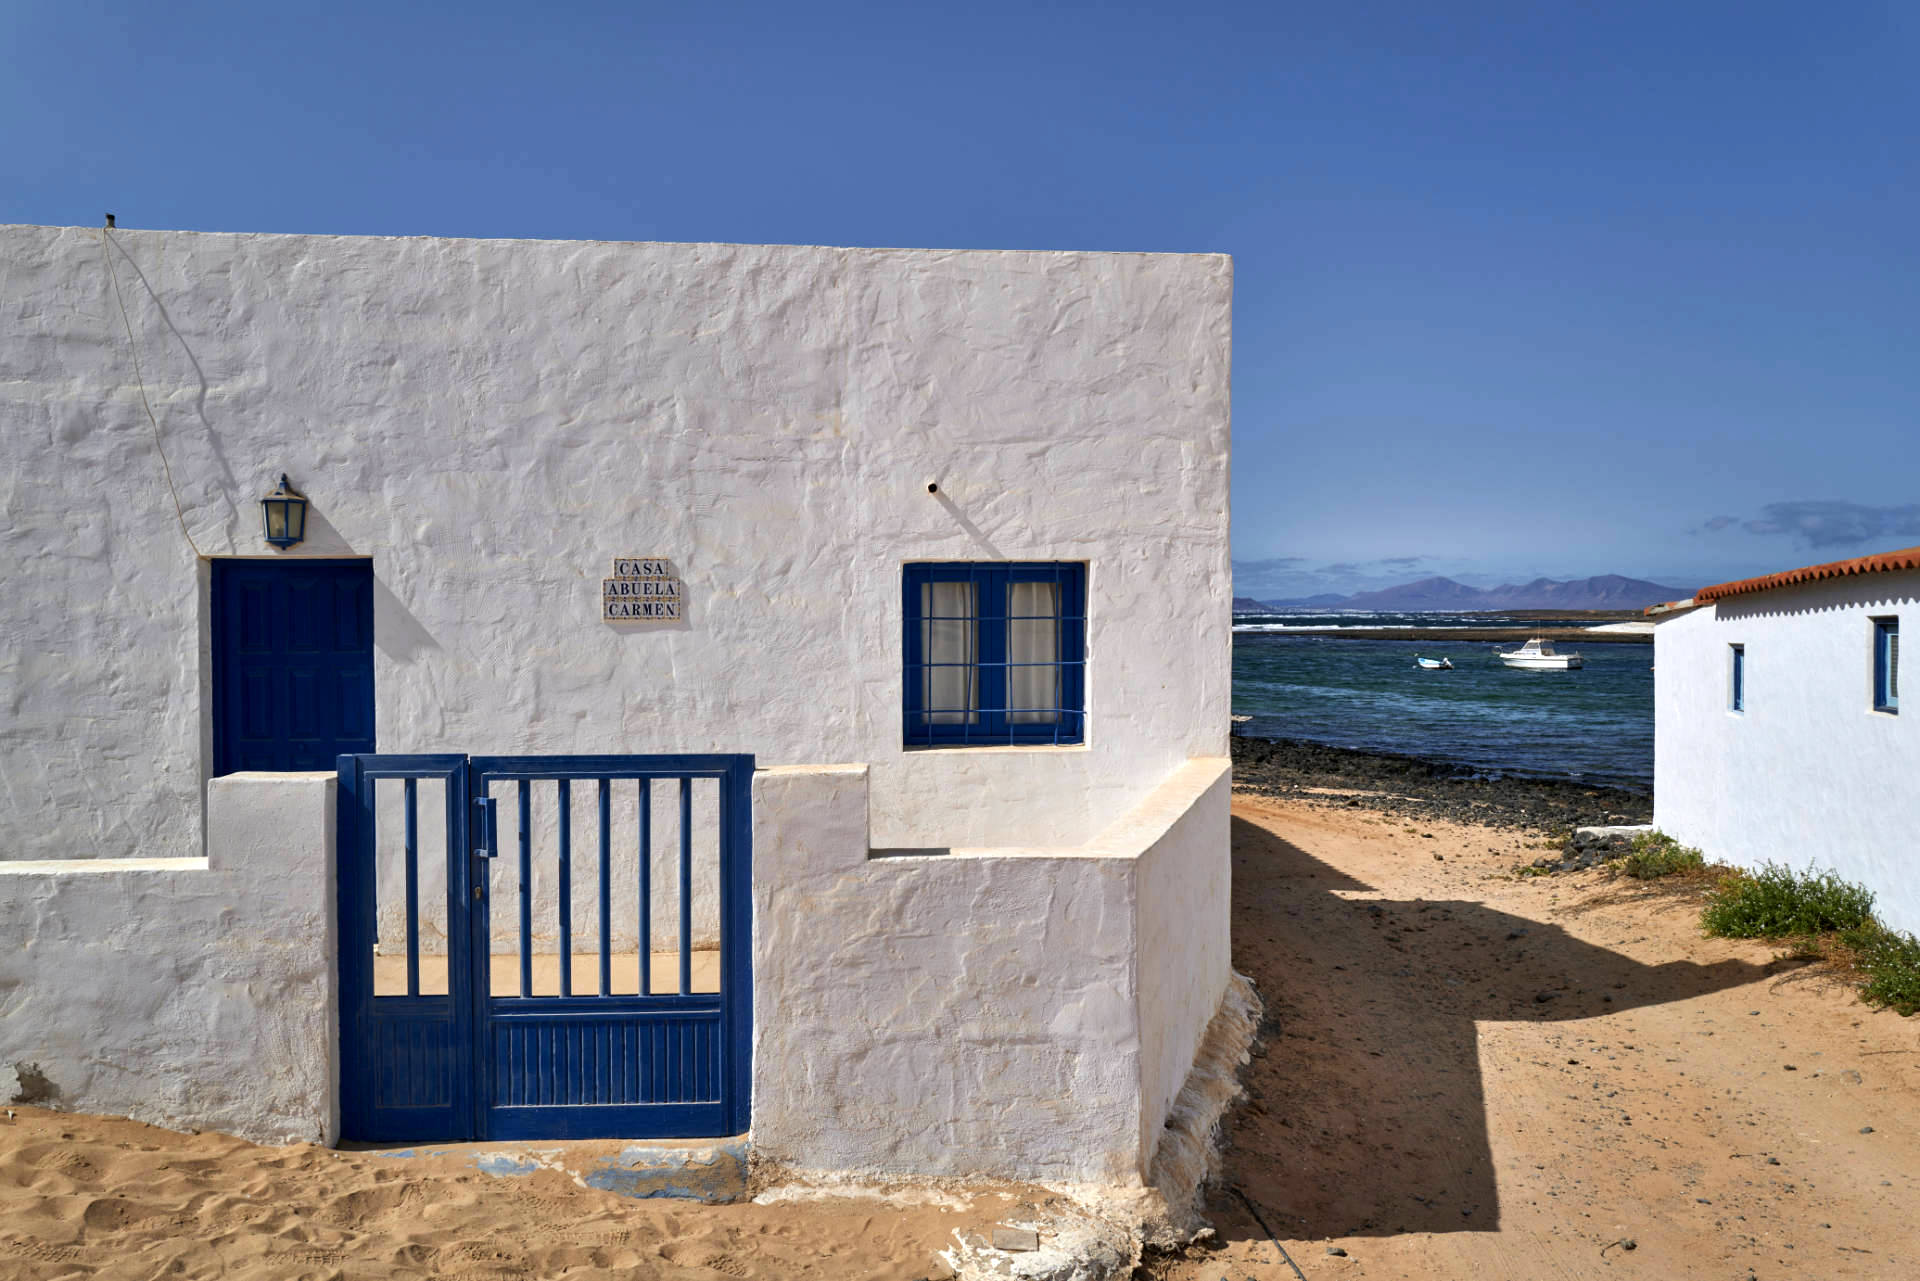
1778 735
912 563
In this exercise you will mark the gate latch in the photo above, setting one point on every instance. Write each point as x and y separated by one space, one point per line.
488 845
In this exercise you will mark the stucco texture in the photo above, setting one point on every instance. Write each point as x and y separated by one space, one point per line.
983 1011
187 992
1808 774
492 421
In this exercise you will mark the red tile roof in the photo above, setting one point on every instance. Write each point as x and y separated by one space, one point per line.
1906 558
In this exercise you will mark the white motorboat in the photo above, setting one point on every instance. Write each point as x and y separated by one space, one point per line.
1539 655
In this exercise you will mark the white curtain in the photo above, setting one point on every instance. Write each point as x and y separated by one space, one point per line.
1033 636
949 625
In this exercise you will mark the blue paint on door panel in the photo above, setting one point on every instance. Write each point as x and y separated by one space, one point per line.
292 663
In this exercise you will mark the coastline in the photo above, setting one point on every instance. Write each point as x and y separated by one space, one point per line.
1414 787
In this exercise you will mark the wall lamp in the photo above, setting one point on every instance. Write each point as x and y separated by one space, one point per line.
285 514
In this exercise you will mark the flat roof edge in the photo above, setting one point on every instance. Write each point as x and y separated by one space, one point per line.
684 244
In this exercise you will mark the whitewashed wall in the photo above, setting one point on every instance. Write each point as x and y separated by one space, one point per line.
186 992
1809 773
987 1011
492 421
1183 930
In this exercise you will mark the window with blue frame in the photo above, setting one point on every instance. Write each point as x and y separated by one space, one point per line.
1737 692
995 653
1886 665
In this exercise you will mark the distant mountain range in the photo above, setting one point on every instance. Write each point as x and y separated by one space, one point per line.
1607 591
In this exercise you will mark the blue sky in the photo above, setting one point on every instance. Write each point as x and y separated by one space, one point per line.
1521 289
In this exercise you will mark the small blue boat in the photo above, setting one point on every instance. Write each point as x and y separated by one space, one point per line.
1434 664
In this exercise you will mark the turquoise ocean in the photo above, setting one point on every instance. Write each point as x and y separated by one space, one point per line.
1591 725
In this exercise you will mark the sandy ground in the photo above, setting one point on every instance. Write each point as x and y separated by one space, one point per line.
94 1197
1468 1074
1465 1075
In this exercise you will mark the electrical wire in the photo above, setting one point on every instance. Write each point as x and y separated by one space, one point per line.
107 247
1258 1218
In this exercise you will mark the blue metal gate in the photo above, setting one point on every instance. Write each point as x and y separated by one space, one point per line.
463 1011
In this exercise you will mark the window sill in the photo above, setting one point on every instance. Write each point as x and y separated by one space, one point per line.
974 749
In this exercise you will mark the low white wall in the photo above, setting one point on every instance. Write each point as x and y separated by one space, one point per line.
1184 932
1024 1013
1809 773
186 992
977 1012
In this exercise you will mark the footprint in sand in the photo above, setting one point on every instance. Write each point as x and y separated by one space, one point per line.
692 1254
111 1214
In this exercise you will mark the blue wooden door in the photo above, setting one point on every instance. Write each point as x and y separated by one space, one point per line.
492 997
292 663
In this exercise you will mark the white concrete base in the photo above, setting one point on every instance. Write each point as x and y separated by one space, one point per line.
1188 1155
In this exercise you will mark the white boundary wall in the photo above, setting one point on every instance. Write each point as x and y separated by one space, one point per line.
187 992
1019 1012
492 421
1809 773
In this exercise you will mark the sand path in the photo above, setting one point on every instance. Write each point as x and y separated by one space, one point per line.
1472 1075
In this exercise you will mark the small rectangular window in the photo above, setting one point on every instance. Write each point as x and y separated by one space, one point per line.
1886 665
994 653
1737 692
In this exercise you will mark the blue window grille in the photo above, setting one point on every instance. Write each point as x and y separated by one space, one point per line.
1886 665
1737 699
995 653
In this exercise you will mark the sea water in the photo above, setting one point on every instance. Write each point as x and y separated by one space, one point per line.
1592 724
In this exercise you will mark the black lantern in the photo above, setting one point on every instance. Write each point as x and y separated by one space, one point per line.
285 512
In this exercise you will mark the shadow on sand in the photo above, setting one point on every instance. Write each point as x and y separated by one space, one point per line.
1367 1113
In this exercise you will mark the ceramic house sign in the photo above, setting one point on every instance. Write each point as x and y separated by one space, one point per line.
643 589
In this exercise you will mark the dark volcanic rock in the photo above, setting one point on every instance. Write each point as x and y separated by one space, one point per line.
1583 850
1413 787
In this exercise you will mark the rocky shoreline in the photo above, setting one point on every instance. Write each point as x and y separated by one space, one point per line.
1410 786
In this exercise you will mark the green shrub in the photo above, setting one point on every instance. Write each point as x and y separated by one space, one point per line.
1889 964
1778 902
1656 854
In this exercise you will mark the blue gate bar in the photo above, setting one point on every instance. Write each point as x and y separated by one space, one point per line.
606 887
644 930
413 887
526 890
686 886
566 886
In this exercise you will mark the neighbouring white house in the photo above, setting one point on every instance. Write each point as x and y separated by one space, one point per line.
466 688
1778 735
